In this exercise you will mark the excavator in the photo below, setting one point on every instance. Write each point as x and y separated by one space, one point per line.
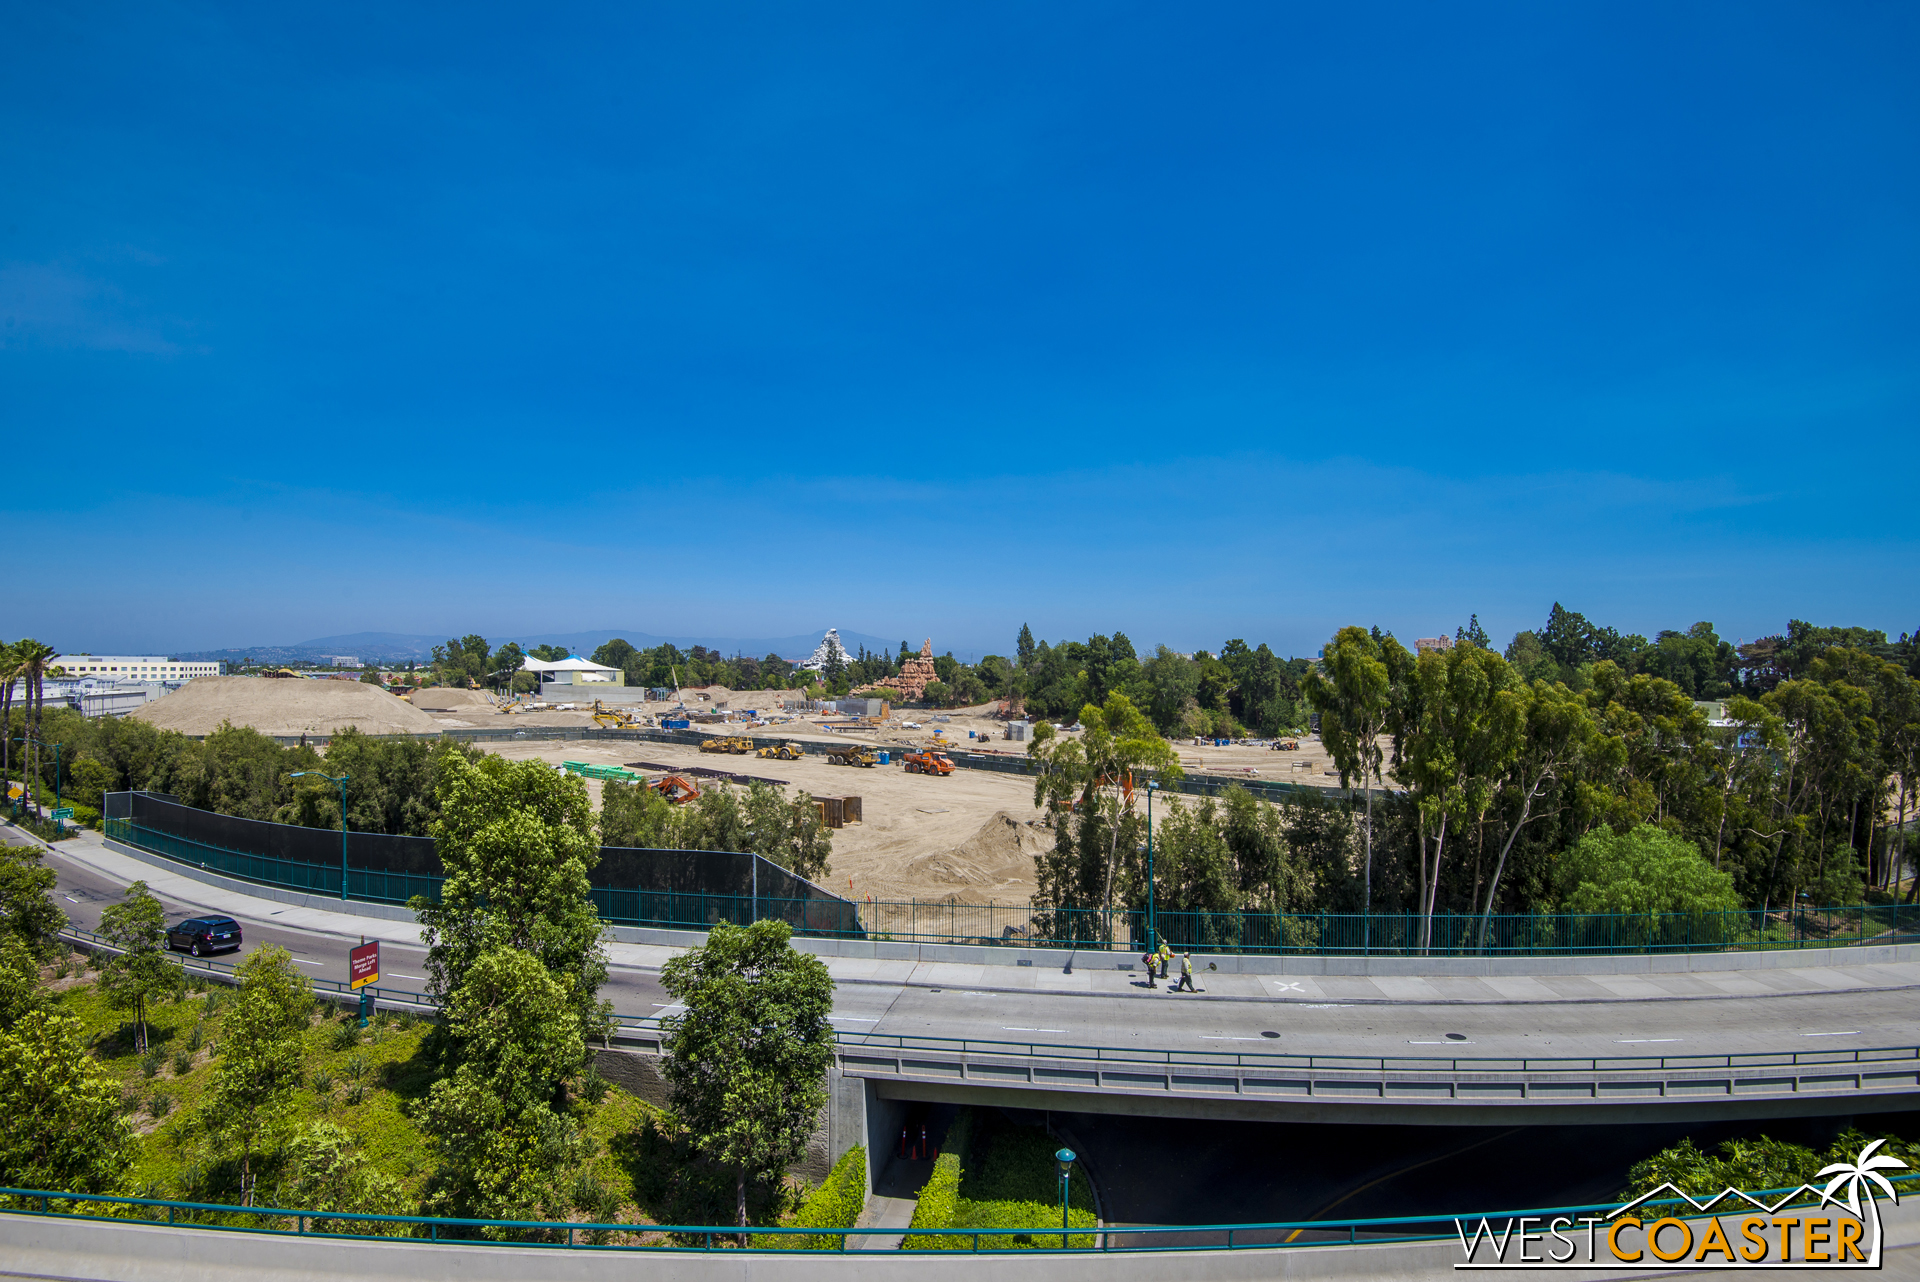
613 718
677 789
731 743
853 757
931 762
788 751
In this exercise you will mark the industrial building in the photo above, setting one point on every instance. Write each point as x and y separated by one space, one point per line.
136 667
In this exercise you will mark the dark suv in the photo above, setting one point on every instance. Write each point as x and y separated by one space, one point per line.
203 935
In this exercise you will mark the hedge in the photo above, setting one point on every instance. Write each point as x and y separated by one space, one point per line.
836 1204
940 1199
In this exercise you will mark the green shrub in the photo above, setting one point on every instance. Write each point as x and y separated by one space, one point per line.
182 1063
940 1199
836 1204
160 1105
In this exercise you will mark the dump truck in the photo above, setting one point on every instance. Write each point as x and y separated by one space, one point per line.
853 757
931 762
781 752
728 743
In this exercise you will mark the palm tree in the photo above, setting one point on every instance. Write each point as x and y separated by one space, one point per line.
32 658
9 673
1862 1171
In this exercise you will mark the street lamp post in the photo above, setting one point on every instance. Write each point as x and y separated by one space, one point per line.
1153 941
342 781
1065 1158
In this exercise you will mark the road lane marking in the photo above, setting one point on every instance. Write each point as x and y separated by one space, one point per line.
1207 1038
1440 1043
1851 1032
304 962
1326 1005
854 1019
1005 1029
1643 1041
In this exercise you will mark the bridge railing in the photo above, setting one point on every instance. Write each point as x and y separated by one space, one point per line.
297 1222
649 1029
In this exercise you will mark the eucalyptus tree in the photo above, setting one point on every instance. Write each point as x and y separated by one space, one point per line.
32 659
1353 693
1102 772
1462 726
1559 743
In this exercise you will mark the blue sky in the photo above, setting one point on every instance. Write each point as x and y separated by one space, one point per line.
1189 322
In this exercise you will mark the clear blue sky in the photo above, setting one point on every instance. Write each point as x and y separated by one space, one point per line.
1188 321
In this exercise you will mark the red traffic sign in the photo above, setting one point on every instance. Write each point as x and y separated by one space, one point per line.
363 964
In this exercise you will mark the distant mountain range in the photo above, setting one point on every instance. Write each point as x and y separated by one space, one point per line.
399 647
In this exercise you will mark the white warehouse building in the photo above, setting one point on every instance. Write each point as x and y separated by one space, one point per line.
134 667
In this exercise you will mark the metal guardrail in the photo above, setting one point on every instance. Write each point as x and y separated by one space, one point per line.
863 1050
706 1238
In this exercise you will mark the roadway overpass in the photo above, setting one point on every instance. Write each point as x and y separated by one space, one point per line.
1553 1040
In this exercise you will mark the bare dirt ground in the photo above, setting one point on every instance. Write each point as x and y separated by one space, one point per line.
283 707
970 835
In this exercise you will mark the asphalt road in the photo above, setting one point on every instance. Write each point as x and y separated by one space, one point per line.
1135 1016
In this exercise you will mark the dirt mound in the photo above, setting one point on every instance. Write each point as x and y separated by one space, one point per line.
449 699
1001 850
284 707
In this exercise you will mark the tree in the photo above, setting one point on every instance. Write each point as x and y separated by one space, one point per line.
142 971
1352 693
325 1171
251 1099
1022 648
60 1122
1117 753
1647 870
31 661
1558 739
20 989
748 1057
27 910
515 1038
517 840
1460 729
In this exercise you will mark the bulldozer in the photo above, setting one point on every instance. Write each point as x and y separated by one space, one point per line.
853 757
612 718
781 752
931 762
730 743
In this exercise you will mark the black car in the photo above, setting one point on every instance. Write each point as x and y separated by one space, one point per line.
203 935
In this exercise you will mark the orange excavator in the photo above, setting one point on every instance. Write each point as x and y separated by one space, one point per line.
677 789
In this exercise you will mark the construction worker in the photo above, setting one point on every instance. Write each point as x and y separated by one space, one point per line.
1150 958
1186 973
1166 957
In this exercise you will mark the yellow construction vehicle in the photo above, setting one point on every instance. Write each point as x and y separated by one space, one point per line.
853 757
730 743
612 718
782 752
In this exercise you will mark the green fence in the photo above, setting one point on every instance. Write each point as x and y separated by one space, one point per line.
1022 925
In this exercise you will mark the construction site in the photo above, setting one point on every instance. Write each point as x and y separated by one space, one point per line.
910 821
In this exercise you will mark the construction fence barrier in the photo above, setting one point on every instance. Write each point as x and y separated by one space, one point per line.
693 889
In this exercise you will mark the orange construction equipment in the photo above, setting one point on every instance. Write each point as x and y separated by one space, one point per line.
932 762
675 788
